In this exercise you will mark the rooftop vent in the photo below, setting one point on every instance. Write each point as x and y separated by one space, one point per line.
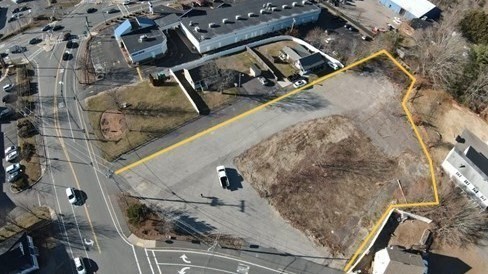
304 2
225 21
285 7
262 11
197 29
239 17
203 37
212 25
269 4
190 24
142 38
275 9
295 4
251 14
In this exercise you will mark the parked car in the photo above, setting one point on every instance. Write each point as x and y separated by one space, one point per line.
263 81
91 10
11 19
333 65
34 41
224 181
71 194
16 10
58 27
16 49
46 28
80 266
66 36
112 10
24 8
294 77
10 149
12 168
8 87
12 177
66 56
72 44
127 2
300 83
12 156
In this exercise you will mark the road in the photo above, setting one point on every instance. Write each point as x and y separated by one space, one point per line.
95 228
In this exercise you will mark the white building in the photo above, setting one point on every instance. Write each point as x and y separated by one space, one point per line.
467 166
395 260
210 29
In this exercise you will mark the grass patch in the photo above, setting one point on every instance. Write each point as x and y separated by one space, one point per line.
23 222
150 112
217 99
239 62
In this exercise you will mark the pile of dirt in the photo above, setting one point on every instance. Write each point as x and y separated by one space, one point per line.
113 125
324 176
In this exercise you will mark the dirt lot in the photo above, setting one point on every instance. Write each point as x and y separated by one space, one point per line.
330 160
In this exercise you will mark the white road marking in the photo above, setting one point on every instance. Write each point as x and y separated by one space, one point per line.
183 270
149 260
156 260
202 267
222 256
38 198
185 259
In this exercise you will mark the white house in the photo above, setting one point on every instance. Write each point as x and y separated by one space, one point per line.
395 260
467 166
210 29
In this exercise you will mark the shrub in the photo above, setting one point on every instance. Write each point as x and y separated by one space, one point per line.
137 213
474 26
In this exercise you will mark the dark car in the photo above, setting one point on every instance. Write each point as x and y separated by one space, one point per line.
6 113
91 10
66 36
24 8
72 44
66 56
58 27
113 10
16 10
11 19
12 177
34 41
46 28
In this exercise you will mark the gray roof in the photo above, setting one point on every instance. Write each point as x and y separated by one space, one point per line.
202 17
167 21
475 149
131 40
402 262
290 53
311 61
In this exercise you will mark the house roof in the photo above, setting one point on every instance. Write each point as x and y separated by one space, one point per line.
311 61
403 262
123 28
292 54
133 44
416 7
202 17
18 256
475 150
129 26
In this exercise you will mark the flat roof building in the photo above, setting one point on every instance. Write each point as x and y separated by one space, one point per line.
141 39
411 9
467 166
210 29
395 260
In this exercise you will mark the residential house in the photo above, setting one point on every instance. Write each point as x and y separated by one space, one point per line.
396 260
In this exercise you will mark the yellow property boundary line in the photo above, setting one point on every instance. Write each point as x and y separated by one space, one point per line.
262 106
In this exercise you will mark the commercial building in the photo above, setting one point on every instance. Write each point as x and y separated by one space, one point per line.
410 9
395 260
467 166
20 257
211 29
141 39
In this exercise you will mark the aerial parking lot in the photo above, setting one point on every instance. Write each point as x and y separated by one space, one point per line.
364 107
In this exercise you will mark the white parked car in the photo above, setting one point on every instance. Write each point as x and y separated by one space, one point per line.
70 193
12 156
300 83
224 181
12 168
8 87
10 149
333 65
80 266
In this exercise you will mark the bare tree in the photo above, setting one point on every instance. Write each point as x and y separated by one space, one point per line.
476 95
316 37
209 72
440 51
227 78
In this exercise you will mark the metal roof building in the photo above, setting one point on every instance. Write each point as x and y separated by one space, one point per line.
411 9
210 29
467 166
394 260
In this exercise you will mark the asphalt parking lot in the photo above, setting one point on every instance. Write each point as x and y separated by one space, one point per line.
184 180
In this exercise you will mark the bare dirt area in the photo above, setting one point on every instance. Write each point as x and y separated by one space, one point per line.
113 125
326 177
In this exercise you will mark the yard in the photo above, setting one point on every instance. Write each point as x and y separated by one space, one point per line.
135 114
272 51
24 221
240 62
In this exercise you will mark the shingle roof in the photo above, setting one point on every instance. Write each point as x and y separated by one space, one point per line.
402 262
242 8
311 61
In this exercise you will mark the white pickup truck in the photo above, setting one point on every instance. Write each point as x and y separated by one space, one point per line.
224 181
